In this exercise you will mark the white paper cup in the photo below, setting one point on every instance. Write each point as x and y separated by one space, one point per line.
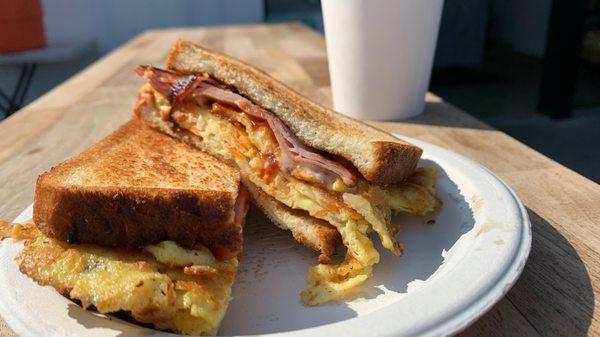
380 55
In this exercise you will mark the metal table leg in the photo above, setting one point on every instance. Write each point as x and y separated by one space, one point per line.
9 105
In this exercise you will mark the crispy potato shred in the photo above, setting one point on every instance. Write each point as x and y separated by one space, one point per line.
176 289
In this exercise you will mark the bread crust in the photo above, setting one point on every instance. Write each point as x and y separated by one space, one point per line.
122 214
312 232
380 157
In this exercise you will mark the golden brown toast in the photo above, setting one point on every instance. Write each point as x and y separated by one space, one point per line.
380 157
138 187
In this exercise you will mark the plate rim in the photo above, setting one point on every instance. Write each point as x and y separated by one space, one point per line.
498 291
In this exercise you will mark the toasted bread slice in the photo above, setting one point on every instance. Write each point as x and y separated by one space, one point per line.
138 187
312 232
380 157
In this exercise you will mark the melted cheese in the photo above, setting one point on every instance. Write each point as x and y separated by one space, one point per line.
154 290
173 255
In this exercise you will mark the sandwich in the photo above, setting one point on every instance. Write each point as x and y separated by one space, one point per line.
138 224
138 187
328 178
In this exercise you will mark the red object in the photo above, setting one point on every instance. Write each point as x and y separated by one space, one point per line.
21 25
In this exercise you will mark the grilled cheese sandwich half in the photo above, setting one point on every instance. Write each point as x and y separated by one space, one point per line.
140 223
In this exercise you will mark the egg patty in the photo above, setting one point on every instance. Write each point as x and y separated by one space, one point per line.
172 288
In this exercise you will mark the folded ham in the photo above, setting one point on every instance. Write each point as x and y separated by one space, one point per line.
295 158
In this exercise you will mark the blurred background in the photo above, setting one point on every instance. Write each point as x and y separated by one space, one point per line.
530 68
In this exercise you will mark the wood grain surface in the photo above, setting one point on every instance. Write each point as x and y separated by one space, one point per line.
557 295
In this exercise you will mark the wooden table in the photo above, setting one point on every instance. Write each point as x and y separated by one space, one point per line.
558 291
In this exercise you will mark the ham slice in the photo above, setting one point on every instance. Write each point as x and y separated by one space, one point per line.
295 158
240 208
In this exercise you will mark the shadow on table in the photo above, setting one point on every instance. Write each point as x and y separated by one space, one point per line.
554 293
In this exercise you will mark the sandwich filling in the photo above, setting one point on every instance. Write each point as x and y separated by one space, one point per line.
186 291
270 156
294 157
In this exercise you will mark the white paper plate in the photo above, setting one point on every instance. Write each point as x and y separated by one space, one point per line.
451 273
